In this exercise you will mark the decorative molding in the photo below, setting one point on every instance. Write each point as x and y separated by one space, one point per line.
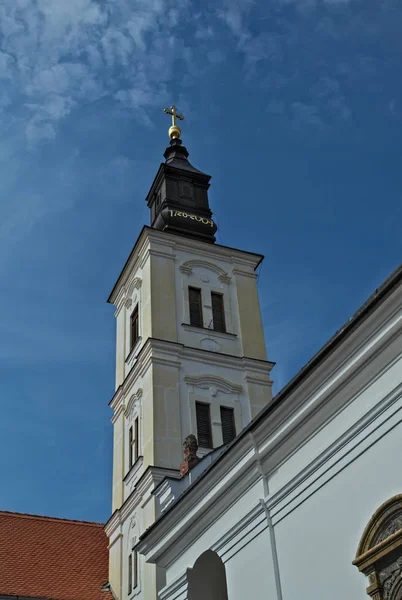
133 352
225 335
250 524
185 269
132 403
175 589
214 383
210 344
117 413
188 266
245 273
115 539
128 303
120 300
225 279
134 284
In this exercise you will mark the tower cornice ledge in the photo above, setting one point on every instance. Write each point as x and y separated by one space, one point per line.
171 353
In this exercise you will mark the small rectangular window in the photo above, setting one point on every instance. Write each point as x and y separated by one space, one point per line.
130 448
136 439
195 304
130 573
228 424
218 312
204 431
134 329
135 570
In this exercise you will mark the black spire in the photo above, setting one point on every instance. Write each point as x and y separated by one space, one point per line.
178 197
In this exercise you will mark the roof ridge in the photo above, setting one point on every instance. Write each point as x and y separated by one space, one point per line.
8 513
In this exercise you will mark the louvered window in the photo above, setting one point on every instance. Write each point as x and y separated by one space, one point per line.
130 573
204 432
218 312
195 304
134 329
228 424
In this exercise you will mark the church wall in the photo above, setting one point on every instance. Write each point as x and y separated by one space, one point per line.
318 540
361 402
259 392
250 571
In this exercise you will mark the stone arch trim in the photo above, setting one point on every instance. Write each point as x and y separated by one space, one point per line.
379 554
386 521
213 381
132 403
188 266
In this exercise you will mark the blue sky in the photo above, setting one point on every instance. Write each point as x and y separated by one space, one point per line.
293 106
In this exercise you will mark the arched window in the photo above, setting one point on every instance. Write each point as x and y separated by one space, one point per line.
207 579
379 555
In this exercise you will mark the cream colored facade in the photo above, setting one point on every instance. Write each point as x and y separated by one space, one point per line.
171 366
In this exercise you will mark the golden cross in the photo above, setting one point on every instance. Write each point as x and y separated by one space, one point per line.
174 130
173 111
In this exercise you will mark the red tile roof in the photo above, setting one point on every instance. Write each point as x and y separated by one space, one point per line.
44 557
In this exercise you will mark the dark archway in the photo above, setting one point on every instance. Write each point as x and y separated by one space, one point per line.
207 579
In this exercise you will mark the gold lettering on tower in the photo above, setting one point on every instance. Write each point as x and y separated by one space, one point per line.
178 213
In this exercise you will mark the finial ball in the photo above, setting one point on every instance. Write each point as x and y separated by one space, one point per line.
174 132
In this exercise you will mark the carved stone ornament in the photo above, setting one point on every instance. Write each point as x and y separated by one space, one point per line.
134 284
190 447
391 580
224 278
379 554
185 269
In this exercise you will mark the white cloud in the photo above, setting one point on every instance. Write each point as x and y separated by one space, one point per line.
57 54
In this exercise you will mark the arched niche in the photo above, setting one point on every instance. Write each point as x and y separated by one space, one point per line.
207 579
379 555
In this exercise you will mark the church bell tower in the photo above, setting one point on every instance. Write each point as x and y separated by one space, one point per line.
190 355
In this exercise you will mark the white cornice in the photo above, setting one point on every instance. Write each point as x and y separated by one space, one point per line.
151 477
244 273
171 353
112 524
